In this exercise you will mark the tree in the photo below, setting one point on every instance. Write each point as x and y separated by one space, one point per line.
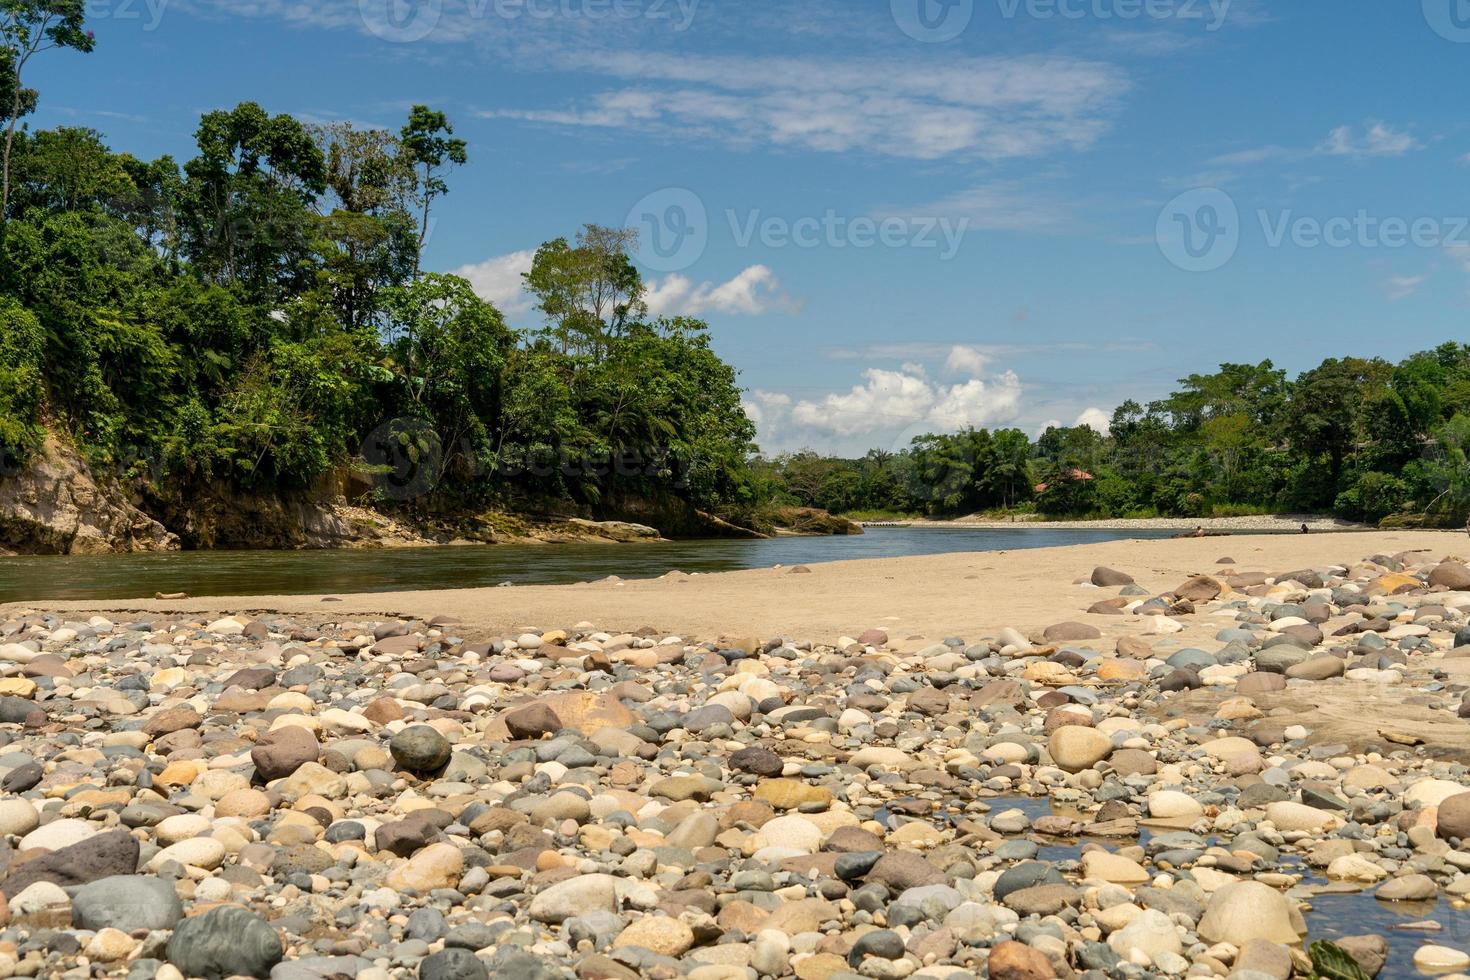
247 202
1007 477
589 293
27 28
447 350
369 239
1326 412
428 139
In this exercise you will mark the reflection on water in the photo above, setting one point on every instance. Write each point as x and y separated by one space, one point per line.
305 572
1332 915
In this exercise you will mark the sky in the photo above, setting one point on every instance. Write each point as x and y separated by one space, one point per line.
898 216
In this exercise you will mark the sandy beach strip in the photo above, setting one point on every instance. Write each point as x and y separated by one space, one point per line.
1251 524
968 594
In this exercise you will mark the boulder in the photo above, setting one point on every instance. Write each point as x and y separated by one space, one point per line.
1247 910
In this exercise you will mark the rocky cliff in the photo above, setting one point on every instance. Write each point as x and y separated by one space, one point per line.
55 505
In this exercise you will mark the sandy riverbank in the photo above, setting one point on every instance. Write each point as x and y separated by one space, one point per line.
1256 523
968 594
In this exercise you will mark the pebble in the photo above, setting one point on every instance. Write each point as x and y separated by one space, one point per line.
302 798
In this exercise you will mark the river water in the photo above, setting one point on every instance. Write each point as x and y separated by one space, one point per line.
36 579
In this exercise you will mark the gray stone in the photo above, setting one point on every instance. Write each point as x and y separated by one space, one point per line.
421 750
126 902
453 964
224 942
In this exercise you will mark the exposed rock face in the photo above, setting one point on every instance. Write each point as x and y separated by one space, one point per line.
56 506
220 517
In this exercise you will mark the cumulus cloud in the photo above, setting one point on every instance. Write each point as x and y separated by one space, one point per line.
753 292
887 400
965 360
1095 419
499 281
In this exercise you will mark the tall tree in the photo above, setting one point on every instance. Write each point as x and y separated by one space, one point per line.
371 239
429 141
589 292
27 28
248 199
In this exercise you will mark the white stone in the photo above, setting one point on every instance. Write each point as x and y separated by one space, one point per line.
1171 804
1440 959
58 834
18 817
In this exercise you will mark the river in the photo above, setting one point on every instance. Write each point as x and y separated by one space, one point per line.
37 579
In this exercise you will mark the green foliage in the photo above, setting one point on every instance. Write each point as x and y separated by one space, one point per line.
28 28
21 359
430 147
256 318
1363 439
1332 962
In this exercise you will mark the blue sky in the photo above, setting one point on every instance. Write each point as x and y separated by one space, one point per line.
898 216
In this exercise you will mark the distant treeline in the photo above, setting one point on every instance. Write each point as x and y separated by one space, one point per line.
1363 439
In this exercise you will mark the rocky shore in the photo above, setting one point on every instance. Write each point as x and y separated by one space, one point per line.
1157 786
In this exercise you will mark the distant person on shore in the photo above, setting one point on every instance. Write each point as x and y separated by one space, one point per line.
1306 530
1199 531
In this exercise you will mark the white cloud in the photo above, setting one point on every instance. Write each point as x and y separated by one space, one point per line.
978 403
753 292
1402 287
499 280
1260 154
965 360
884 399
993 108
1376 140
769 411
888 400
1095 419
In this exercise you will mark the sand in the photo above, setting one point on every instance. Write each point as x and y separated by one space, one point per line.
1249 524
968 594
